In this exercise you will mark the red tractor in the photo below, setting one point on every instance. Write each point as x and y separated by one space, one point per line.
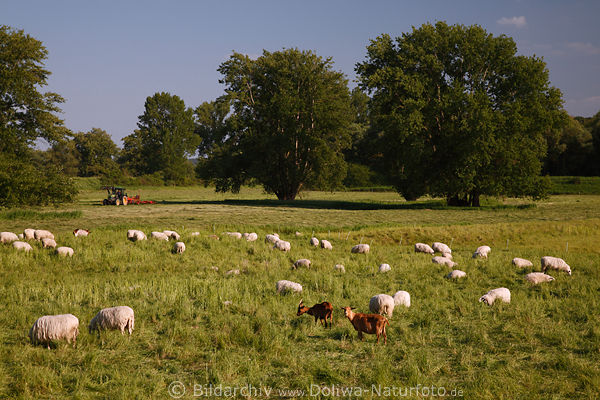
117 196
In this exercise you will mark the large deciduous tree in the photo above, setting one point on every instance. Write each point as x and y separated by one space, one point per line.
97 153
459 113
289 123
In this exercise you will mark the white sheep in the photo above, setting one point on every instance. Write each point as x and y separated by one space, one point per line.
29 234
521 262
40 234
384 268
282 245
325 244
64 251
447 255
482 252
22 246
361 248
195 234
423 248
401 297
555 263
21 236
455 274
134 235
339 268
178 247
440 248
382 304
54 327
48 243
303 262
233 272
494 294
271 238
81 232
314 241
120 317
8 237
235 235
250 237
538 277
284 286
159 236
172 234
443 261
298 233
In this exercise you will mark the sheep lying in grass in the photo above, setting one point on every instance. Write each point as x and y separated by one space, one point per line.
64 251
81 232
271 238
40 234
48 243
54 327
159 236
29 234
441 248
456 274
538 277
172 234
8 237
382 304
447 255
233 272
521 262
482 252
195 234
284 286
555 263
494 294
134 235
24 246
314 241
361 249
303 262
235 235
384 268
401 298
423 248
443 261
120 317
325 244
282 245
339 268
250 237
178 247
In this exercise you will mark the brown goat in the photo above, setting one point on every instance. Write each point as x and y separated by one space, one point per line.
320 311
367 323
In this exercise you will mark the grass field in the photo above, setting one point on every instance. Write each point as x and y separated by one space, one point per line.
545 344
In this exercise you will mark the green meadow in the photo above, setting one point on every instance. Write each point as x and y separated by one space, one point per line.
545 344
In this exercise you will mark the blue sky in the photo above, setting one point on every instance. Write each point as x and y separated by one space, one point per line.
107 57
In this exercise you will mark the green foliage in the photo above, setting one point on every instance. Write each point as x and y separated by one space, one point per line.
458 113
570 150
289 124
96 152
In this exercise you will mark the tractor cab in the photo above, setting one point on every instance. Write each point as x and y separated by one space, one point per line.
116 196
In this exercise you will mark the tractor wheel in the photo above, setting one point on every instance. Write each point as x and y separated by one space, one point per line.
124 201
117 202
104 202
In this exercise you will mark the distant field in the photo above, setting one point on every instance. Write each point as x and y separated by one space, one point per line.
545 344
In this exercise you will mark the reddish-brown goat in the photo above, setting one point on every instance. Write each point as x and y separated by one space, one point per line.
367 323
321 311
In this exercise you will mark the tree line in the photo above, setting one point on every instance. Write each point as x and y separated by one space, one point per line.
443 110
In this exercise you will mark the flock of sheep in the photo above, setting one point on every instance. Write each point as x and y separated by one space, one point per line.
66 326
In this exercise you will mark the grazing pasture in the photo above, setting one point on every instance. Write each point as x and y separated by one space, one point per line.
201 326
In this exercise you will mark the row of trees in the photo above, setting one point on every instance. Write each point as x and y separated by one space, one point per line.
443 110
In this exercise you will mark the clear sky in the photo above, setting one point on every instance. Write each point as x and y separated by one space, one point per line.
106 57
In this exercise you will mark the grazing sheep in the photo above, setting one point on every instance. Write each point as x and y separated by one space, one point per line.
314 241
8 237
214 237
382 304
384 268
482 252
235 235
22 246
423 248
195 234
340 268
81 232
271 238
456 274
233 272
227 302
440 248
538 277
325 244
284 286
447 255
282 245
298 233
361 249
48 243
40 234
555 263
303 262
54 327
521 262
401 297
250 237
178 247
443 261
120 317
21 236
172 234
159 236
29 234
134 235
367 323
64 251
494 294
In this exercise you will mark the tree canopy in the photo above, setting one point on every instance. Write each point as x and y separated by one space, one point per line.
290 114
97 153
459 113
